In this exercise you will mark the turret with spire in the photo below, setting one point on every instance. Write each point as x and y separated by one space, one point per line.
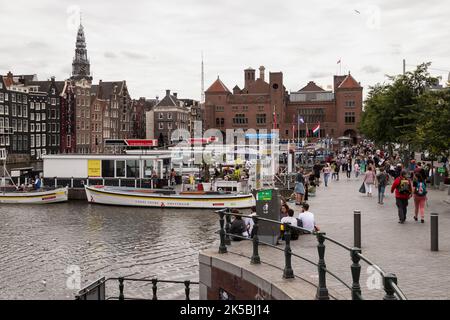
81 65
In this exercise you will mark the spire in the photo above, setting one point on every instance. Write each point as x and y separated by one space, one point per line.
81 64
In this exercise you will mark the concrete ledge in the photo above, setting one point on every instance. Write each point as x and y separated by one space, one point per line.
204 259
226 266
205 274
203 292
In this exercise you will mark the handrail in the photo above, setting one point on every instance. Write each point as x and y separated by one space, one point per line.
295 255
390 280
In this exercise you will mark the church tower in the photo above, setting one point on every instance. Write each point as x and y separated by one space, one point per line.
80 64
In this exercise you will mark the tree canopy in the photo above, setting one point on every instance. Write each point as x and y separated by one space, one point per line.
407 111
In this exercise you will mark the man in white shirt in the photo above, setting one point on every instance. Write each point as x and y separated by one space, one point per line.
290 218
307 218
249 223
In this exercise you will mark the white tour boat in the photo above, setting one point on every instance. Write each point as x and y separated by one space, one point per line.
121 196
34 197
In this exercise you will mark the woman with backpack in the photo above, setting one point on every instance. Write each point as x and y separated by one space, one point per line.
420 197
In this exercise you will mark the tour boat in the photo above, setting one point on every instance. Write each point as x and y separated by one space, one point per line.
34 197
121 196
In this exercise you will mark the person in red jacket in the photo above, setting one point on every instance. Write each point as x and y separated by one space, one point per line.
403 191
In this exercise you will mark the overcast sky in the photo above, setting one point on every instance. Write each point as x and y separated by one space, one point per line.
157 45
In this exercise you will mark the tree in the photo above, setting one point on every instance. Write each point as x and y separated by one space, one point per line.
391 110
433 122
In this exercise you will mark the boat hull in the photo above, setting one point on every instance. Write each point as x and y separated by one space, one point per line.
35 197
134 197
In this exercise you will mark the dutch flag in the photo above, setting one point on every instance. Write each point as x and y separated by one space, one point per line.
316 129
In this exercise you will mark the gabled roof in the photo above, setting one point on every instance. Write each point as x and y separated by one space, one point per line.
218 87
168 101
45 86
311 87
349 82
106 88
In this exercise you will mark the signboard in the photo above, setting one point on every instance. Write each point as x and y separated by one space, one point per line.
261 135
94 168
141 142
115 142
441 170
264 195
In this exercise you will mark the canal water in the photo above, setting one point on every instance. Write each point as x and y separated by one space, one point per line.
43 247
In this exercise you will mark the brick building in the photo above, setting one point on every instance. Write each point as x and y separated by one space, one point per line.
251 107
338 111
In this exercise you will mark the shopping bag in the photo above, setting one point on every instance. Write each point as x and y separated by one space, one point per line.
363 188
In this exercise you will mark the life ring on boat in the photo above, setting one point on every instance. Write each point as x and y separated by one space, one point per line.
220 190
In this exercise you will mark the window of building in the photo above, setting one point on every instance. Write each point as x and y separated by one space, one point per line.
32 105
31 115
53 101
14 125
31 127
37 106
43 116
261 118
2 97
240 119
68 142
13 110
219 108
32 141
43 127
6 110
38 141
160 126
350 103
169 116
25 111
25 125
13 97
38 117
349 117
43 140
2 109
160 116
38 127
19 125
19 111
245 108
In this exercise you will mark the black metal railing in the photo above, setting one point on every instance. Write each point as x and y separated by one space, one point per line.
389 280
97 290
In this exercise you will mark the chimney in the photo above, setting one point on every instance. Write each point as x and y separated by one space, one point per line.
261 72
175 95
167 92
249 76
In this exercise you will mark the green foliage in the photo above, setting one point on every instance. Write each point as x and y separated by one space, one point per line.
407 112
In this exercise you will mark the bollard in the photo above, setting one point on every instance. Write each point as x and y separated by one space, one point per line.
187 289
357 228
356 272
434 232
322 291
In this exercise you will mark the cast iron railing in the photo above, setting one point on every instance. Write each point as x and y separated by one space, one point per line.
392 291
97 290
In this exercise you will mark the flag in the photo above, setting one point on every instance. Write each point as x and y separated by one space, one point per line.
300 120
339 61
274 118
316 129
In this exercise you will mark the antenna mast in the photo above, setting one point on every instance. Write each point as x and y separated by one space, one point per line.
203 83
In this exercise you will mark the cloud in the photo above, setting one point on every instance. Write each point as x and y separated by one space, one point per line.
37 45
110 55
318 74
134 55
371 69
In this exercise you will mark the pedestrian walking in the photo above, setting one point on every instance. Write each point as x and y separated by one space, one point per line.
369 181
420 197
357 170
348 168
403 191
326 173
299 187
382 181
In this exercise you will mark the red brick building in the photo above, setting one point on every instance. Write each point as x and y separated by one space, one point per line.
253 106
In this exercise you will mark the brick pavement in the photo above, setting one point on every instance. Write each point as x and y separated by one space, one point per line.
400 249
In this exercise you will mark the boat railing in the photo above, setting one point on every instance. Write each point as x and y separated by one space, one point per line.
389 280
98 291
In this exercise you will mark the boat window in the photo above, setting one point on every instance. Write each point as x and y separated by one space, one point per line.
148 169
108 168
132 169
120 168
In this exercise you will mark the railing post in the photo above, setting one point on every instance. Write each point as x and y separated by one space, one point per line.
120 182
388 279
357 228
121 296
288 273
187 289
103 180
222 246
434 219
227 229
322 291
71 182
356 272
255 256
154 288
56 182
87 181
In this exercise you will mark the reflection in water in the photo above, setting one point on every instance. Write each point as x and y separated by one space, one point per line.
39 243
